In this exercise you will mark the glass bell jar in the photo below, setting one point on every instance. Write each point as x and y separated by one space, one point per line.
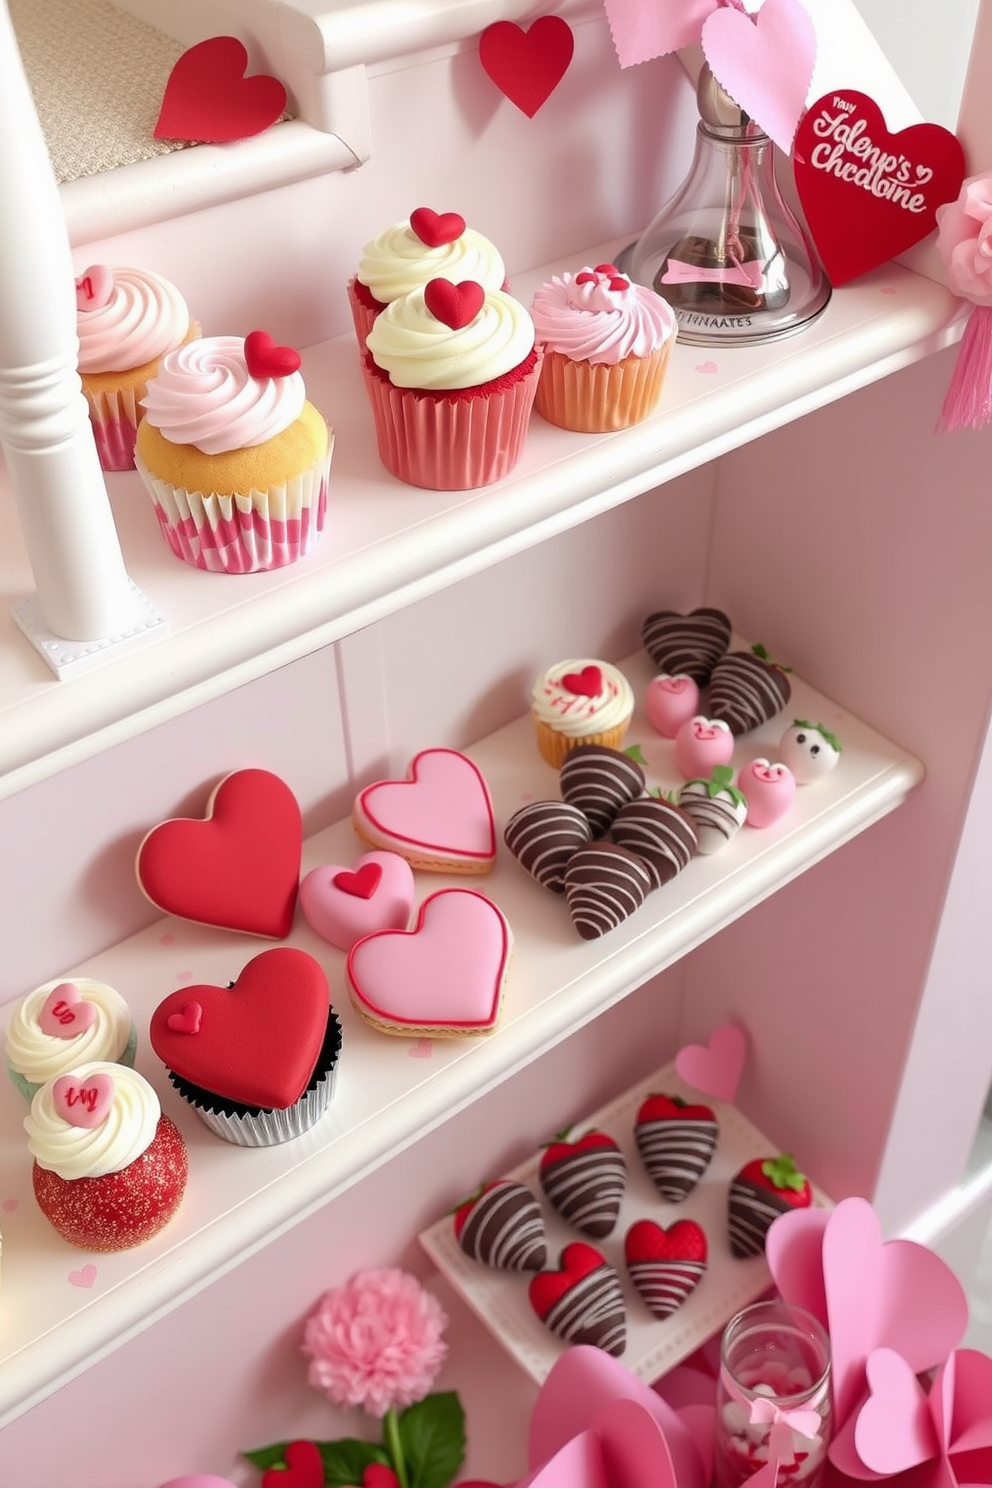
726 252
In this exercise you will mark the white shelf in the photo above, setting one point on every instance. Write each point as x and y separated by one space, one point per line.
239 1200
389 544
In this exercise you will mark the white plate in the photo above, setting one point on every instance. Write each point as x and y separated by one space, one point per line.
653 1345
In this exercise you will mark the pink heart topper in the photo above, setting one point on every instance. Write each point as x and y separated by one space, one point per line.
715 1068
64 1013
95 287
85 1103
527 66
893 1294
765 63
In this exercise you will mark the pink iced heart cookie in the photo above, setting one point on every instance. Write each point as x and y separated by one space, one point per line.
343 904
439 819
83 1102
443 977
64 1013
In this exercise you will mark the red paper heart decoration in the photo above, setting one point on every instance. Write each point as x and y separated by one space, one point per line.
434 229
238 869
587 683
527 66
209 100
361 882
868 194
264 358
258 1040
456 305
304 1468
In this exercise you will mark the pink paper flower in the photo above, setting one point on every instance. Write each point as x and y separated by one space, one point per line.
376 1341
964 240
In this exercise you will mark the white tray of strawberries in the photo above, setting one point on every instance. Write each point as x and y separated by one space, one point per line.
581 1243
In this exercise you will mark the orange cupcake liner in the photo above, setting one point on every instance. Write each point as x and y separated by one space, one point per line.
593 398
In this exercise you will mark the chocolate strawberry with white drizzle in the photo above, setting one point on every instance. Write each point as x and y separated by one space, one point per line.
717 808
585 1181
762 1190
747 688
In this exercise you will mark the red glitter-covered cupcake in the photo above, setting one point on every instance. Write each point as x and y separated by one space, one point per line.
451 371
109 1168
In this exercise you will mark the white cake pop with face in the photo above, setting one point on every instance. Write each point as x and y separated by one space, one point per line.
809 750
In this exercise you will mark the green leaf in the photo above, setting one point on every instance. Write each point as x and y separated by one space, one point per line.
636 753
433 1436
266 1457
344 1461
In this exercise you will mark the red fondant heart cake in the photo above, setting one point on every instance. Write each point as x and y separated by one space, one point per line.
239 868
444 977
440 818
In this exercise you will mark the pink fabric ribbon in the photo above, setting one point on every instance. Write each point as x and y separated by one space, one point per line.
749 274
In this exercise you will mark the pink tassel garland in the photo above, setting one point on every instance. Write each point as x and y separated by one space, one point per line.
968 404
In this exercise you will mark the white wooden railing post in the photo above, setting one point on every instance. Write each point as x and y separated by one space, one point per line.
83 591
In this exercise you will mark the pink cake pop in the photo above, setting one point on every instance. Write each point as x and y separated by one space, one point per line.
701 744
769 790
670 701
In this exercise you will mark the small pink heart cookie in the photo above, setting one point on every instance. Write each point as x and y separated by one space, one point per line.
343 904
440 819
442 978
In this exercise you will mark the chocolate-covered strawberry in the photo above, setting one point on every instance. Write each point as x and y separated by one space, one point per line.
542 836
676 1141
599 781
604 884
810 750
665 1266
763 1189
582 1302
746 689
502 1226
717 808
659 833
585 1181
691 643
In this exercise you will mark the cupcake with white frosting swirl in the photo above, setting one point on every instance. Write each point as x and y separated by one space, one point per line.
403 257
235 458
109 1168
451 370
580 702
126 320
62 1023
606 343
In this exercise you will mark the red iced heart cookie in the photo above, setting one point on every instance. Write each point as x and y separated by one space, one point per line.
256 1041
64 1014
587 683
264 358
434 229
445 976
83 1101
441 819
304 1468
208 98
868 194
582 1301
343 904
94 288
527 66
665 1265
239 868
456 305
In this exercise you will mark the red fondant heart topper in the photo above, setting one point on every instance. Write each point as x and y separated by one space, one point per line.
209 100
455 305
265 358
868 194
434 229
527 66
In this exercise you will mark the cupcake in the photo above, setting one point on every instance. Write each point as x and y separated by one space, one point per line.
580 702
126 321
235 458
256 1060
606 348
451 371
62 1024
109 1169
430 245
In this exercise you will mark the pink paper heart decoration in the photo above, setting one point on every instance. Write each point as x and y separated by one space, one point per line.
641 31
715 1068
95 287
896 1295
527 66
84 1277
960 1401
794 1252
64 1014
635 1453
764 63
894 1430
83 1102
341 916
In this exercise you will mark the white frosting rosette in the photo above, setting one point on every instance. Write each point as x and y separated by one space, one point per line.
204 395
398 261
576 714
143 317
107 1032
125 1131
419 350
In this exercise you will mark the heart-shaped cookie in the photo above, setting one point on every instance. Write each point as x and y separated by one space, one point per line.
440 818
239 868
691 644
256 1041
343 904
208 98
443 977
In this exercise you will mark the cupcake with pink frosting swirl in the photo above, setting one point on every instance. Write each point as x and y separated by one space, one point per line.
606 348
235 458
126 321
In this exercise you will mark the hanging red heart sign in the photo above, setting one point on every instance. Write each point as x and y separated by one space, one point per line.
868 194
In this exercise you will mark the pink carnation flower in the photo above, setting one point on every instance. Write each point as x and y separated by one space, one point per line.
376 1341
964 240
